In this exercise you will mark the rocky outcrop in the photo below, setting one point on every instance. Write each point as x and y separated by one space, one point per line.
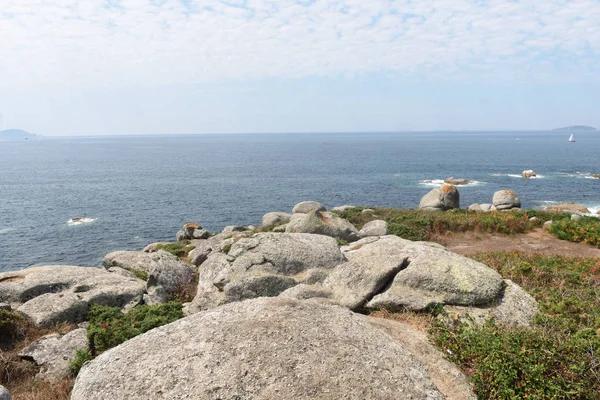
323 223
4 393
441 199
274 218
515 308
265 264
374 228
482 207
53 353
166 273
568 207
342 208
456 181
308 206
260 349
190 231
528 174
505 200
51 295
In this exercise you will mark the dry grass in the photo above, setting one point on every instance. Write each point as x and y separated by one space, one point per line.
419 321
18 376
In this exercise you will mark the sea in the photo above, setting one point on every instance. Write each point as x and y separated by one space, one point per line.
136 190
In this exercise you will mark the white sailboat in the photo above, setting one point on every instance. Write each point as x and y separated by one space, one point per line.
571 139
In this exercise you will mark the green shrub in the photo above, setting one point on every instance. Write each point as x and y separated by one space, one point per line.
10 325
81 356
143 275
586 230
179 249
523 363
110 327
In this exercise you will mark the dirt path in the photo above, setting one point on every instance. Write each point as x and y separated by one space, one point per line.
534 242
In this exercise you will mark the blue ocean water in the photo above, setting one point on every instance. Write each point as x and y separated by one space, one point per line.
143 189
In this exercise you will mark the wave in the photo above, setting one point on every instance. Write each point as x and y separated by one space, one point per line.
80 221
578 174
440 183
6 230
538 176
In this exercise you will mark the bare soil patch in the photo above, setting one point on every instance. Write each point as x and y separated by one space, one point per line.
537 241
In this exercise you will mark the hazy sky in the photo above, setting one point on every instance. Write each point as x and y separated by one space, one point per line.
90 67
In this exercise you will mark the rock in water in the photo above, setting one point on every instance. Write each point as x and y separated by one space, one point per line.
308 206
323 223
505 200
51 295
441 199
456 181
528 174
259 349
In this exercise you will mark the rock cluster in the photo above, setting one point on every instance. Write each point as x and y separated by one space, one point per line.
568 207
528 174
190 231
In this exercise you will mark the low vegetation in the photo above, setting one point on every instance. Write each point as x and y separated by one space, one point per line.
558 357
585 230
180 249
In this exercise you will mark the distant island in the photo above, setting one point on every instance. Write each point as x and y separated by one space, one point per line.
16 134
577 128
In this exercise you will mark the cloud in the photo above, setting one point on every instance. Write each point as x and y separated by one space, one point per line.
155 42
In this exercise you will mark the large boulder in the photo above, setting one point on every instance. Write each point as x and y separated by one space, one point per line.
190 231
52 295
265 264
308 206
374 228
53 353
323 223
505 200
260 349
166 273
274 218
436 276
441 199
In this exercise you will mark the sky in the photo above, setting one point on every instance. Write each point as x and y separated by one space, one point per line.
124 67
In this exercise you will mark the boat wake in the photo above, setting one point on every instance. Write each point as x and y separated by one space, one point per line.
80 221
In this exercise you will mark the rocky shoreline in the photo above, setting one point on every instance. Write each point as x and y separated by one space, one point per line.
300 273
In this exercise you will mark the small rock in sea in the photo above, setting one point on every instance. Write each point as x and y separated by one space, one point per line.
4 393
456 181
597 176
308 206
441 199
566 207
528 174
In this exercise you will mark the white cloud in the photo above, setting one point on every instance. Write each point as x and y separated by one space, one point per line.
116 42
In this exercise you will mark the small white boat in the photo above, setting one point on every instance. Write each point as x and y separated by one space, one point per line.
571 139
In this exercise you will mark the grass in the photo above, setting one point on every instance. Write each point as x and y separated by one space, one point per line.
586 230
180 249
558 357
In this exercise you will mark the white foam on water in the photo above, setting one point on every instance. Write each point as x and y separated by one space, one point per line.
440 183
80 221
538 176
6 230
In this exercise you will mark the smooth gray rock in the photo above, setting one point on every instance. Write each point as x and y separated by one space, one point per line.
436 276
514 308
505 200
323 223
152 246
367 210
304 292
200 234
121 271
187 231
128 260
54 352
279 259
374 228
342 208
273 218
475 207
547 225
166 275
576 217
234 228
308 206
528 174
51 295
441 199
487 207
5 306
4 393
268 348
